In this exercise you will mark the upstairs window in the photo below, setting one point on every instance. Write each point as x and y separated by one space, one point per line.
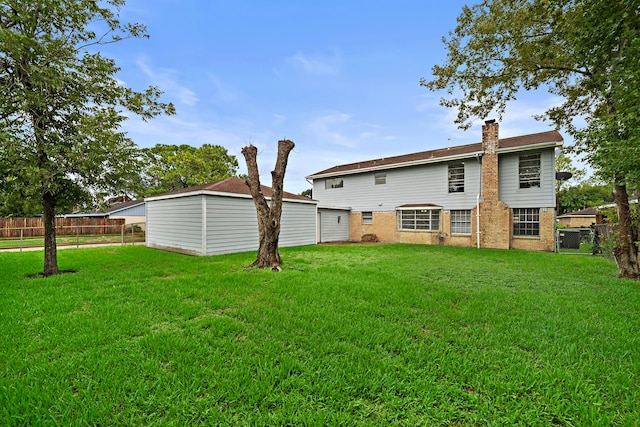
333 183
380 178
529 170
456 177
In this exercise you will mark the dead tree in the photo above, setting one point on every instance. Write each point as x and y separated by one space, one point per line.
268 214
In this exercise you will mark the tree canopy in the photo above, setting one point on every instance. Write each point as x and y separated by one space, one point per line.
585 52
172 167
61 105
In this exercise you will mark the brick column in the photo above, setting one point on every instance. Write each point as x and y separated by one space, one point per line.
495 215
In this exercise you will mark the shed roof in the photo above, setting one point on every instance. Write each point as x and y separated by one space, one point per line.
531 141
236 186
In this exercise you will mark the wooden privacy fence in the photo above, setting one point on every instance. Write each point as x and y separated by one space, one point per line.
27 227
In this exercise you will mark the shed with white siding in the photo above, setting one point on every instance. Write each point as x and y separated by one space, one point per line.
220 218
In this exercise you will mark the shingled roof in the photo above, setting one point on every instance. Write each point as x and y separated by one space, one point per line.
443 154
229 185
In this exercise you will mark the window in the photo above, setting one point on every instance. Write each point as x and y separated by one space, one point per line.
526 222
529 170
367 217
333 183
461 222
456 177
380 178
419 219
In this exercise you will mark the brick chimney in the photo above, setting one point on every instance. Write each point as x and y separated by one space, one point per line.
495 215
490 139
490 177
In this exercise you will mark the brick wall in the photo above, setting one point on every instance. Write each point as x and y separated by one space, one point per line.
546 240
385 227
577 221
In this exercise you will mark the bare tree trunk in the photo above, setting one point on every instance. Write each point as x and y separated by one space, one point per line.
626 250
50 249
268 215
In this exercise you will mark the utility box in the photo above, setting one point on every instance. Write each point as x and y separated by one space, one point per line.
569 239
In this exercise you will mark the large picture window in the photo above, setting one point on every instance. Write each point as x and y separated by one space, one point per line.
333 183
461 222
456 177
427 219
529 170
526 222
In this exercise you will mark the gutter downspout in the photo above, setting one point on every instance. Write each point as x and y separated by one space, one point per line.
478 205
478 221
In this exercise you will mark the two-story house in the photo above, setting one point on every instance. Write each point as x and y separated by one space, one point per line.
498 193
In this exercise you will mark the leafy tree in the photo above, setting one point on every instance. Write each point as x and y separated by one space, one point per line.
585 52
172 167
307 193
268 213
564 163
61 105
582 196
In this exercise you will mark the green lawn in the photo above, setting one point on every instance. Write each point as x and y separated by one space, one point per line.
344 335
84 239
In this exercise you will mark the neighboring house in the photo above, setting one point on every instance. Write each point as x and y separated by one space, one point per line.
132 211
632 200
220 217
582 218
499 193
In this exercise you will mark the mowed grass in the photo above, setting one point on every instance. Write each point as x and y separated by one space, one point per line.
84 239
344 335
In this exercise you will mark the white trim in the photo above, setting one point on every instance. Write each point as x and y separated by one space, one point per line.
419 208
203 242
529 147
335 208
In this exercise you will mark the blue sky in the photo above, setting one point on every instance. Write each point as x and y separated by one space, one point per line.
339 78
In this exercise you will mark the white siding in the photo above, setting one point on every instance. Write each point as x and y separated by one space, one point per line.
418 184
330 229
229 224
298 224
516 197
232 225
175 224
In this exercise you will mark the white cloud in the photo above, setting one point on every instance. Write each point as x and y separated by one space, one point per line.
167 81
332 128
223 93
278 118
316 64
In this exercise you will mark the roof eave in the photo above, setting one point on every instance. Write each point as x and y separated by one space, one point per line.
396 165
111 212
529 147
221 194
